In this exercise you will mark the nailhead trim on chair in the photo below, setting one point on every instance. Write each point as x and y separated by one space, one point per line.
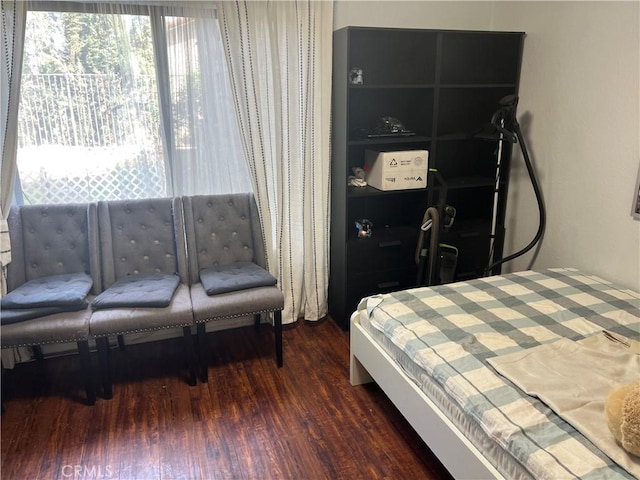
78 339
142 330
246 314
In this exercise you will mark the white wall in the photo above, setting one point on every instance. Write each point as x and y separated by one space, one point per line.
579 103
579 109
412 14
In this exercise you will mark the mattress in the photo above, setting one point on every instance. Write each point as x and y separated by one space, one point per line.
443 336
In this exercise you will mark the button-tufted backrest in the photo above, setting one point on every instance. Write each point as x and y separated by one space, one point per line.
52 240
222 229
141 237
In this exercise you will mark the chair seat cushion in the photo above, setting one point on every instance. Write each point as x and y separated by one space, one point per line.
15 315
138 291
54 328
235 276
64 291
234 304
112 321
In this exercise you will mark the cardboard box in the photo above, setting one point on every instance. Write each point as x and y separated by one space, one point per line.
402 170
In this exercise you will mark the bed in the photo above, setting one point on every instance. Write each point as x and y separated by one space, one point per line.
430 349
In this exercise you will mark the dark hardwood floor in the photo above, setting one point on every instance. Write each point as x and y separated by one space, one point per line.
250 421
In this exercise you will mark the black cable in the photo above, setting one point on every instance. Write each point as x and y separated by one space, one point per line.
538 193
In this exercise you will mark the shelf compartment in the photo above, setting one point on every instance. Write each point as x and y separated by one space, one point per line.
413 107
370 191
383 281
470 182
472 204
388 142
399 209
393 56
466 158
385 249
473 241
474 57
463 111
356 156
395 86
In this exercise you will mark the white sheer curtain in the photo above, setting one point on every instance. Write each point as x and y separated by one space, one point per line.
279 57
202 140
11 42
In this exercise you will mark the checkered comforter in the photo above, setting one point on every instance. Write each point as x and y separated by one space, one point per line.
451 330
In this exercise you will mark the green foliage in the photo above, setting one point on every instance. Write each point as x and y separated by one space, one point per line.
44 49
89 51
91 74
140 42
87 43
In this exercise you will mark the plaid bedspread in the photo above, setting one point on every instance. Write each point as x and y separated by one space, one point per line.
451 330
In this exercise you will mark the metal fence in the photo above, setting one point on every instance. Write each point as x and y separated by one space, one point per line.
105 130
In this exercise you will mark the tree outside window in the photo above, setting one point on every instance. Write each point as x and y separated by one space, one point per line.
89 126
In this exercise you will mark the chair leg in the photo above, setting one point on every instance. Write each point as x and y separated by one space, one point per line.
39 356
3 390
277 323
121 342
105 369
256 321
37 352
85 368
191 356
202 351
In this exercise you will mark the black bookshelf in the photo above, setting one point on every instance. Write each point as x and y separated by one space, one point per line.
444 86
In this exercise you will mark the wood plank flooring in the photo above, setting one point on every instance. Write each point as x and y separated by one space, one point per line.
250 421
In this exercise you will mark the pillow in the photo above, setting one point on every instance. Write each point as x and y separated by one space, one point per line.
138 291
235 276
8 317
622 410
66 290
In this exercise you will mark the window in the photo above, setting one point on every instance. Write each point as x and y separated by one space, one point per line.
101 118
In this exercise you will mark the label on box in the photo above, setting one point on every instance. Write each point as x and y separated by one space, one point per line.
399 170
403 179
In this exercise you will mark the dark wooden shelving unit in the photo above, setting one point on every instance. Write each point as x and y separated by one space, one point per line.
444 85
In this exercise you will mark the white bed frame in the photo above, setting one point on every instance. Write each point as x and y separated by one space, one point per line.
369 362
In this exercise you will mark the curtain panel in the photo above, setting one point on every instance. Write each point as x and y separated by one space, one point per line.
279 58
13 15
12 41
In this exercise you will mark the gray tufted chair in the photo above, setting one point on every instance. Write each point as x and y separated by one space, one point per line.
48 240
142 237
222 230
